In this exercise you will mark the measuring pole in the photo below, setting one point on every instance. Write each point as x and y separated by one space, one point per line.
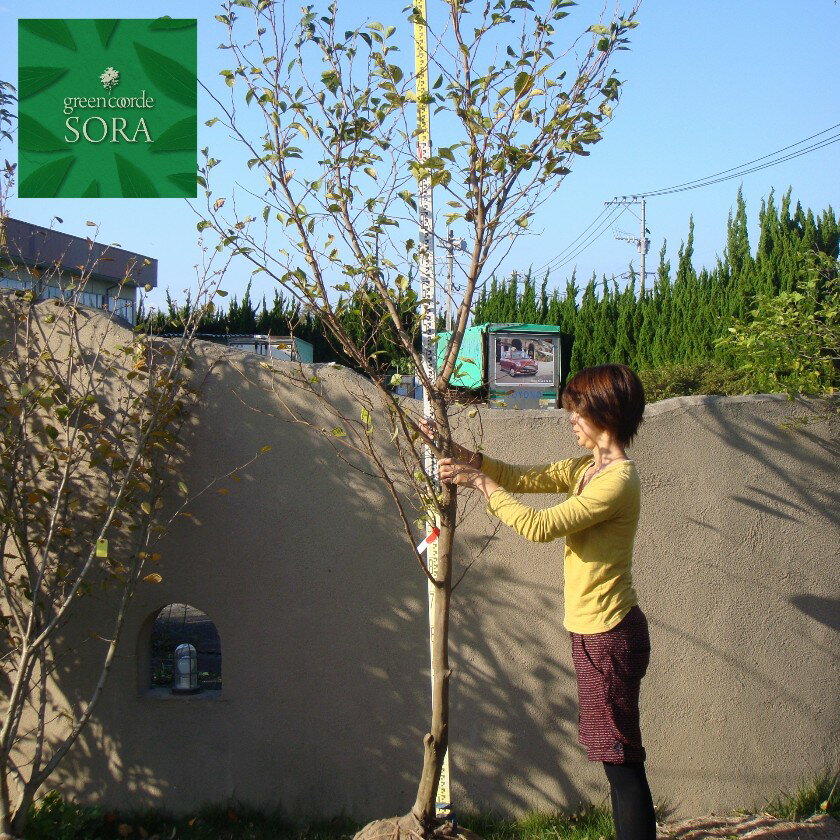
428 321
450 259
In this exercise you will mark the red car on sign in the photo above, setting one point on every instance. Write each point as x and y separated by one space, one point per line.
515 367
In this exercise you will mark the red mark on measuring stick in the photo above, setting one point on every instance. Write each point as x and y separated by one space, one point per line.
428 541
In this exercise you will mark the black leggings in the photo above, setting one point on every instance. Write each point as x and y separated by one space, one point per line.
632 804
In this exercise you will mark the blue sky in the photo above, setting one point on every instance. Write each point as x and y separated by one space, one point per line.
708 86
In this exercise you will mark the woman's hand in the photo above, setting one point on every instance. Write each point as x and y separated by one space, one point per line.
429 430
466 475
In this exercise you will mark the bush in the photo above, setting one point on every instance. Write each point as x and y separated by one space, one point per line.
52 818
791 341
697 378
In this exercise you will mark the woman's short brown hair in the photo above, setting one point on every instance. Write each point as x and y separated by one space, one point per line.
611 396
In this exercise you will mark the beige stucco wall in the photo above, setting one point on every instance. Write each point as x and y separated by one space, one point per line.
322 616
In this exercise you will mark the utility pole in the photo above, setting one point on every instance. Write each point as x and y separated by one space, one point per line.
450 258
641 242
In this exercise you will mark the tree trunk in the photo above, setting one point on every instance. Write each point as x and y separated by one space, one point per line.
436 741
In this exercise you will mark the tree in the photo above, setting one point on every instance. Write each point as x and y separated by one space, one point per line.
337 202
90 415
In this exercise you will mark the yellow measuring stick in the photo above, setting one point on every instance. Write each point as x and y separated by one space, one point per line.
428 323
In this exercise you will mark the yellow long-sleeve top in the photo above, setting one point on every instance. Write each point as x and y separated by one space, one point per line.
599 524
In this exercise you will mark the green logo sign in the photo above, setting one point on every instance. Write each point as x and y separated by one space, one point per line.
107 108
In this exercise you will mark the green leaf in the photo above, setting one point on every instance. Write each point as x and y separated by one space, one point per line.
181 137
33 80
36 137
338 432
105 28
167 22
54 29
46 181
170 77
185 181
146 508
133 181
92 190
369 170
522 81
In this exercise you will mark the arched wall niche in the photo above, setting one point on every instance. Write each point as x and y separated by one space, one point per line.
161 632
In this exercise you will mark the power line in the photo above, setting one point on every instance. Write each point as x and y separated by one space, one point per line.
600 224
559 261
737 171
572 243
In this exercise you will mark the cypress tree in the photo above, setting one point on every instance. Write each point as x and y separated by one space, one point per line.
625 334
661 350
527 309
542 314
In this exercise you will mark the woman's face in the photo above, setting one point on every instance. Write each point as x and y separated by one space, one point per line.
585 430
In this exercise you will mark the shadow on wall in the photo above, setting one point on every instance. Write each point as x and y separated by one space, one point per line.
309 577
305 569
766 444
515 706
824 610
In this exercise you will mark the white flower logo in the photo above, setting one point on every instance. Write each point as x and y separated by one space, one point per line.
110 78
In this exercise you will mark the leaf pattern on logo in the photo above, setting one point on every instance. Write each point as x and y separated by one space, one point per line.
185 181
134 182
167 22
181 137
46 181
49 166
105 28
36 137
33 80
171 77
53 30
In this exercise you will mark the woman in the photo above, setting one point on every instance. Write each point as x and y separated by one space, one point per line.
609 632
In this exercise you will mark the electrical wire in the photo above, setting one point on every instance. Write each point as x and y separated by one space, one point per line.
737 171
600 223
572 243
607 224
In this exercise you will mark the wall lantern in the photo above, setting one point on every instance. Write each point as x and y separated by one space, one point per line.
185 671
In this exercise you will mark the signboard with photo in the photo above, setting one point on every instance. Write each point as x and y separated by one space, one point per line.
521 361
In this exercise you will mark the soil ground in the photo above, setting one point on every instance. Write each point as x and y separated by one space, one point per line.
821 827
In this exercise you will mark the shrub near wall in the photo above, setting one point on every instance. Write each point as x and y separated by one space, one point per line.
687 380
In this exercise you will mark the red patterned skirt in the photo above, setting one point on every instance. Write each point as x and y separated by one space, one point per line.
609 668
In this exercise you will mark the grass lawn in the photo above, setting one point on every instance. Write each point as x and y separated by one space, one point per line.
54 819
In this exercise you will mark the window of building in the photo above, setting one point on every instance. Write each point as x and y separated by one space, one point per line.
179 624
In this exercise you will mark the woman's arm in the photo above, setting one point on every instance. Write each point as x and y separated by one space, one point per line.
599 501
546 478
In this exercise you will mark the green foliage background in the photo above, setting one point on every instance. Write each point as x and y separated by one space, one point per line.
681 327
753 322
